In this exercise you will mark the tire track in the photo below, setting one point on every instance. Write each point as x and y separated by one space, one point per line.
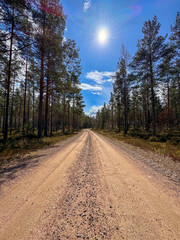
82 212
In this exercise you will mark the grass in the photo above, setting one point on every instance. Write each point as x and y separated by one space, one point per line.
163 144
18 146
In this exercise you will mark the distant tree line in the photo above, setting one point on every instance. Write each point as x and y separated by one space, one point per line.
146 88
39 70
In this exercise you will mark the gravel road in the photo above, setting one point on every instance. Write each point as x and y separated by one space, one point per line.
88 187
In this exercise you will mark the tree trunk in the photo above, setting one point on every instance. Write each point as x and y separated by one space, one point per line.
112 116
12 106
63 115
9 81
52 110
119 115
41 89
41 97
33 111
168 105
28 112
47 107
15 117
68 117
73 118
19 118
179 99
147 108
152 99
25 89
125 107
134 111
4 111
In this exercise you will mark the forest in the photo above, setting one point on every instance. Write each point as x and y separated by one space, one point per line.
39 71
74 167
145 101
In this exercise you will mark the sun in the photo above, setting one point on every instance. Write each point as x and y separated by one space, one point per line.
102 36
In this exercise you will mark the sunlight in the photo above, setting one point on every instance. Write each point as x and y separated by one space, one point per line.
102 36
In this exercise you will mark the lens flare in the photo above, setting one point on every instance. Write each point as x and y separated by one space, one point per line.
102 36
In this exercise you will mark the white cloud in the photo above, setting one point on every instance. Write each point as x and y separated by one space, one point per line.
94 110
96 93
100 77
87 5
85 86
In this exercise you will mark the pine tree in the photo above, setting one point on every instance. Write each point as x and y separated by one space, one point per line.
49 16
112 103
12 16
150 51
175 43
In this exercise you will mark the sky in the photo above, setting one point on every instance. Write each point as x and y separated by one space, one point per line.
100 27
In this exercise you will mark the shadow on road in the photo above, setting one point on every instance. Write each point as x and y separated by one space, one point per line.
13 169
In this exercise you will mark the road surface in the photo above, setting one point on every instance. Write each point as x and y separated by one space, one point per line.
89 189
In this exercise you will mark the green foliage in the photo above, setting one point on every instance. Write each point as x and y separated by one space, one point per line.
145 102
42 92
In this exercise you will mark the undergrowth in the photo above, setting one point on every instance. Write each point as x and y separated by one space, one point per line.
164 144
17 146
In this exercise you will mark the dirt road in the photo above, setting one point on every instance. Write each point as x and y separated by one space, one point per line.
90 189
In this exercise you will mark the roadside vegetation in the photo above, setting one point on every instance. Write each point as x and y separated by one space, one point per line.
17 146
144 107
163 144
40 71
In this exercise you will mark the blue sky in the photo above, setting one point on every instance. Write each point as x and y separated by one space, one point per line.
123 20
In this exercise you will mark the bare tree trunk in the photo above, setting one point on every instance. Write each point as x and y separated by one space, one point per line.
15 118
25 89
179 99
147 108
4 112
52 110
47 106
19 118
73 118
33 111
168 105
152 99
119 115
28 112
68 117
12 106
112 116
9 81
63 115
125 107
41 97
41 89
134 111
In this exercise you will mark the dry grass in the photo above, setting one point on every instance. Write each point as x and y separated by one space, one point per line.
17 146
169 148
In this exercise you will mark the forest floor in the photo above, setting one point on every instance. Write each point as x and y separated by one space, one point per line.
162 144
90 187
18 147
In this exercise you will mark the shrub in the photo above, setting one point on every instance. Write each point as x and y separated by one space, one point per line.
153 139
175 140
